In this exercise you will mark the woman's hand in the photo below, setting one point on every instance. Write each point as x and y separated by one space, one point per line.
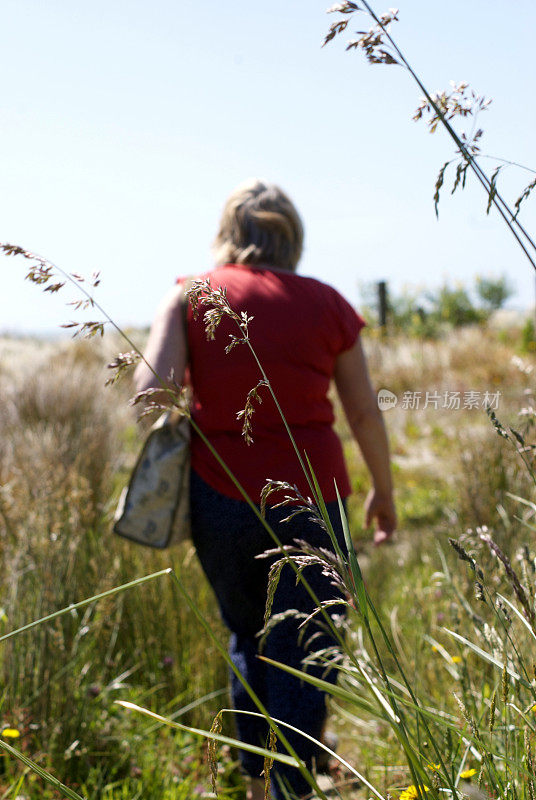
380 508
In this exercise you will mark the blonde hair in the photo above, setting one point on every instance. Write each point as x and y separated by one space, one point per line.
259 225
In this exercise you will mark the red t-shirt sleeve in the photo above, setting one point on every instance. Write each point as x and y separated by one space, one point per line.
347 321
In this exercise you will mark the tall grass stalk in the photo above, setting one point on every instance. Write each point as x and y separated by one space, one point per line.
509 217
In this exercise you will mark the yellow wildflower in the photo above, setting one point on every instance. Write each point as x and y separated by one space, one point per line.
468 773
456 659
411 793
435 767
10 733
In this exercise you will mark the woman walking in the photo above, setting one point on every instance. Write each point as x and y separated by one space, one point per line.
305 335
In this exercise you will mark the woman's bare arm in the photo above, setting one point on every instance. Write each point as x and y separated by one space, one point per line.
365 420
166 349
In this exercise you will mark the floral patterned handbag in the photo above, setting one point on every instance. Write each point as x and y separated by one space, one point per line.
154 509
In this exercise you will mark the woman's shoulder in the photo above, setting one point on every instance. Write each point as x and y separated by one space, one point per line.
342 320
303 289
322 292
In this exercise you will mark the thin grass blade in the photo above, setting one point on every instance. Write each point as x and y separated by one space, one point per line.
489 658
46 776
217 737
522 500
82 603
518 614
355 570
323 746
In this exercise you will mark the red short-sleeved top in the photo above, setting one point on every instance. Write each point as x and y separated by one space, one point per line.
300 325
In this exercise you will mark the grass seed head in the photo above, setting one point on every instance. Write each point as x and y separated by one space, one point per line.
213 751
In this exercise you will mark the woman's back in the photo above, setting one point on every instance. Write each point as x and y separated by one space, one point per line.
299 327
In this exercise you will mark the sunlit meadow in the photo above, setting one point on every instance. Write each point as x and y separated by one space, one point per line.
68 445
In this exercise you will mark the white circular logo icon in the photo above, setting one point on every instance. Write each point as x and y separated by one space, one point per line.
386 399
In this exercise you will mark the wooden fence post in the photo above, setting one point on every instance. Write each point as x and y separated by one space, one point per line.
382 303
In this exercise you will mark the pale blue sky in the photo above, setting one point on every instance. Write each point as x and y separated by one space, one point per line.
124 125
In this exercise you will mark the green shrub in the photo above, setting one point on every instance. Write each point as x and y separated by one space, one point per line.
493 292
454 307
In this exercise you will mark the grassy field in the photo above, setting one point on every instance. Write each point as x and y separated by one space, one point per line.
67 445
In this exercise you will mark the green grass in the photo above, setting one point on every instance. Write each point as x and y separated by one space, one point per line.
69 446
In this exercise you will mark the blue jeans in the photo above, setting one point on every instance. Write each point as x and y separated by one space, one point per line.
228 536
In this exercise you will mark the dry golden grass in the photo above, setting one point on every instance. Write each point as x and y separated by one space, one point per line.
471 358
66 443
